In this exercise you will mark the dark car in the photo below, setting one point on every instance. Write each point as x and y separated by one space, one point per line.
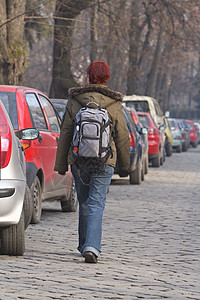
60 105
183 126
136 150
144 135
30 108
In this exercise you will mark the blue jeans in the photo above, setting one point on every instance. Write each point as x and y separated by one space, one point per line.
91 186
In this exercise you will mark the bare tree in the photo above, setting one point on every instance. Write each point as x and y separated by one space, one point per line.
11 35
65 14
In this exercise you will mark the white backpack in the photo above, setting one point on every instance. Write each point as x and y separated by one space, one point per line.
91 139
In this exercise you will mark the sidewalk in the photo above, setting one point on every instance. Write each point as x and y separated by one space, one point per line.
150 245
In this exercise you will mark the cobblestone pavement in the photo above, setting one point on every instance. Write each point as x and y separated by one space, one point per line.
151 243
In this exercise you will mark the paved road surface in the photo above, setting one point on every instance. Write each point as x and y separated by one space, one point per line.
151 243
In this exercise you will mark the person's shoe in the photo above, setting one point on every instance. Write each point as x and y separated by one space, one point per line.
90 257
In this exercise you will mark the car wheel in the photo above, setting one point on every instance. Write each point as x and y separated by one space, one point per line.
146 165
135 176
13 238
184 148
70 204
179 148
28 206
194 145
168 149
142 170
36 193
156 161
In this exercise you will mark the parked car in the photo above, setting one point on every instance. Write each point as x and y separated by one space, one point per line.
193 134
15 198
168 137
30 108
155 140
136 150
185 133
145 104
144 135
197 126
177 137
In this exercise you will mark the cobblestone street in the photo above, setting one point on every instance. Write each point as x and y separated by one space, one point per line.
150 245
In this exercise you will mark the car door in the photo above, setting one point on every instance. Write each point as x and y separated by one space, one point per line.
44 148
58 183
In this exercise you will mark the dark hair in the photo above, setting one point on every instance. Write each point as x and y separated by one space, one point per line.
98 72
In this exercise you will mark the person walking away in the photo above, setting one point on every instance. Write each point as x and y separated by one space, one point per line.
92 181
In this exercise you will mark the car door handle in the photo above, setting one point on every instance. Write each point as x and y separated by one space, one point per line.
40 139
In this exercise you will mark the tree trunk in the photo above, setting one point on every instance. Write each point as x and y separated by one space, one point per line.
151 78
11 37
93 33
65 14
134 37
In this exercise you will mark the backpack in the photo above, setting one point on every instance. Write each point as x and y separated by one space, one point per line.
91 138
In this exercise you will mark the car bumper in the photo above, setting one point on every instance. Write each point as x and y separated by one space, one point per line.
11 201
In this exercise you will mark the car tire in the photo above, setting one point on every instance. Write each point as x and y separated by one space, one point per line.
179 148
13 238
146 165
28 207
70 204
156 161
36 193
135 176
168 149
142 170
194 145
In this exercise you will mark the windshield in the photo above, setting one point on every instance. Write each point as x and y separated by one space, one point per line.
9 101
141 106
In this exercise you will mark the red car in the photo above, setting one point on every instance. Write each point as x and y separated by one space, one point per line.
155 139
193 133
30 108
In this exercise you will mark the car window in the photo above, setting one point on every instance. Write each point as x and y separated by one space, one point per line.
158 109
9 101
144 120
131 122
189 125
53 120
141 106
36 112
172 124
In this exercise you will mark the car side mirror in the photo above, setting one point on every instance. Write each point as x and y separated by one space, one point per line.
27 134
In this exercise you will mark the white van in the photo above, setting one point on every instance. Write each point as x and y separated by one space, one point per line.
145 104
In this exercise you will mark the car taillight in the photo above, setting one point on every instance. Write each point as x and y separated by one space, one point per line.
132 139
25 144
5 140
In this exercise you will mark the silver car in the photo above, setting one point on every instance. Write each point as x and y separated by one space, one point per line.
15 198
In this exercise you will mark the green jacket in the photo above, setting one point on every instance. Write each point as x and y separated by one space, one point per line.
111 101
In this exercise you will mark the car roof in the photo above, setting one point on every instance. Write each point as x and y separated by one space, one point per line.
138 98
13 88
